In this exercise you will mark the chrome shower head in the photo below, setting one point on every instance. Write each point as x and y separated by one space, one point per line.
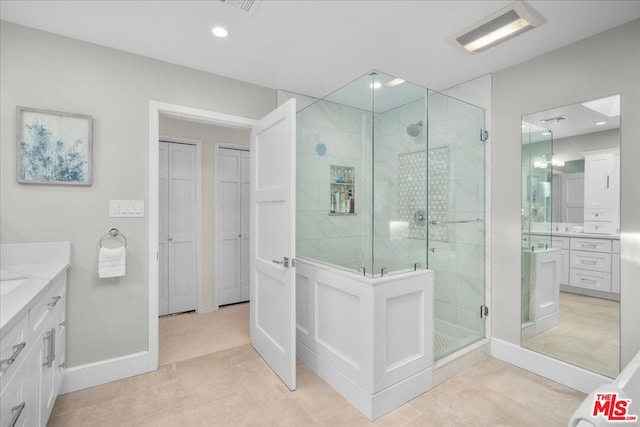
413 129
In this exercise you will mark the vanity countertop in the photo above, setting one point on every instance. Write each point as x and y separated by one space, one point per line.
22 293
33 267
570 234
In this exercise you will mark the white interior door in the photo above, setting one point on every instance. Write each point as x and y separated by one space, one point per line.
272 272
233 219
177 252
573 197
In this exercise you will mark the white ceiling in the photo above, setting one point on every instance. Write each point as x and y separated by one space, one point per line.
316 46
578 120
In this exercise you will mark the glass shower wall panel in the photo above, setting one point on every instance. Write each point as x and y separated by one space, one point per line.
399 178
456 211
334 137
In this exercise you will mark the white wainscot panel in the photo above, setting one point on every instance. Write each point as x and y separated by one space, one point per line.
338 322
370 339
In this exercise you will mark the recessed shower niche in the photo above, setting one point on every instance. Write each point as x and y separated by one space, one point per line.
342 190
390 237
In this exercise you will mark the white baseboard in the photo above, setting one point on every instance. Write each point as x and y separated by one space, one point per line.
548 367
106 371
547 322
372 406
211 309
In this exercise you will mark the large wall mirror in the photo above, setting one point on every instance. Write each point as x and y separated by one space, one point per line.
571 234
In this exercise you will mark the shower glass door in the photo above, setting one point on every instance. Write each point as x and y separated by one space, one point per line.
456 220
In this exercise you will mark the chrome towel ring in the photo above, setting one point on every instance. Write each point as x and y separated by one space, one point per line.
114 233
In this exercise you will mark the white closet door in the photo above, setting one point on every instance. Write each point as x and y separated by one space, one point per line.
233 217
182 226
229 203
163 305
245 224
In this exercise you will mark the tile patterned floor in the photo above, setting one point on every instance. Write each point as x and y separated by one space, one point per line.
234 387
588 334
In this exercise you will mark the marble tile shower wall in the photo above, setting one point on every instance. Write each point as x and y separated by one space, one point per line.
345 134
459 263
394 248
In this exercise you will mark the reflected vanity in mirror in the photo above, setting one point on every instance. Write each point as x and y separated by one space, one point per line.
570 234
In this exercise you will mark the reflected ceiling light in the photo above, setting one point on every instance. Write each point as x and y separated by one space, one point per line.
609 106
506 23
220 32
395 82
601 123
546 133
375 85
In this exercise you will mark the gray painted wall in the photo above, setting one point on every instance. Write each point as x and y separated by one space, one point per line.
570 148
106 318
605 64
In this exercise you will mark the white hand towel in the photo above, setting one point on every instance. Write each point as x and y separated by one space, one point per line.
111 262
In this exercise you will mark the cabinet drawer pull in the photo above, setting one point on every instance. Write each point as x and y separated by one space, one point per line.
584 245
16 352
17 411
583 280
51 342
582 261
54 302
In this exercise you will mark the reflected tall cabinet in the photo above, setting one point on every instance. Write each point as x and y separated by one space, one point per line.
602 191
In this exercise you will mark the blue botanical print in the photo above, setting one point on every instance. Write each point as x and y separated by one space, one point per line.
46 160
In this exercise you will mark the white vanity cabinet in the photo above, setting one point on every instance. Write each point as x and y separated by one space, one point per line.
30 389
33 334
601 191
615 267
594 267
15 396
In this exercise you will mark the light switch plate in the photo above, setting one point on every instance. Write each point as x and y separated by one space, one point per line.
126 208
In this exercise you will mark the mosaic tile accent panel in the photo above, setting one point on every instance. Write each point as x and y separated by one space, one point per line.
412 193
438 200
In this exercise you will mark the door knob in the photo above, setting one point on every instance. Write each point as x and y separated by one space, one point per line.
170 239
284 262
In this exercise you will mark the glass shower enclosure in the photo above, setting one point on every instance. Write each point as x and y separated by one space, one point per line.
537 209
391 179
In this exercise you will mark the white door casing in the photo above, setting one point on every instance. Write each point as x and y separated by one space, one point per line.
272 278
163 236
245 227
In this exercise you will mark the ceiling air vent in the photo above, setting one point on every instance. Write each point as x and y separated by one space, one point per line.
556 119
247 6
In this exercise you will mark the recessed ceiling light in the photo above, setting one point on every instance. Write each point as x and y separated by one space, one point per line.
375 85
506 23
601 123
395 82
220 32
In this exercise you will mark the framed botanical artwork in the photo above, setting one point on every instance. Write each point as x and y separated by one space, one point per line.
53 147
